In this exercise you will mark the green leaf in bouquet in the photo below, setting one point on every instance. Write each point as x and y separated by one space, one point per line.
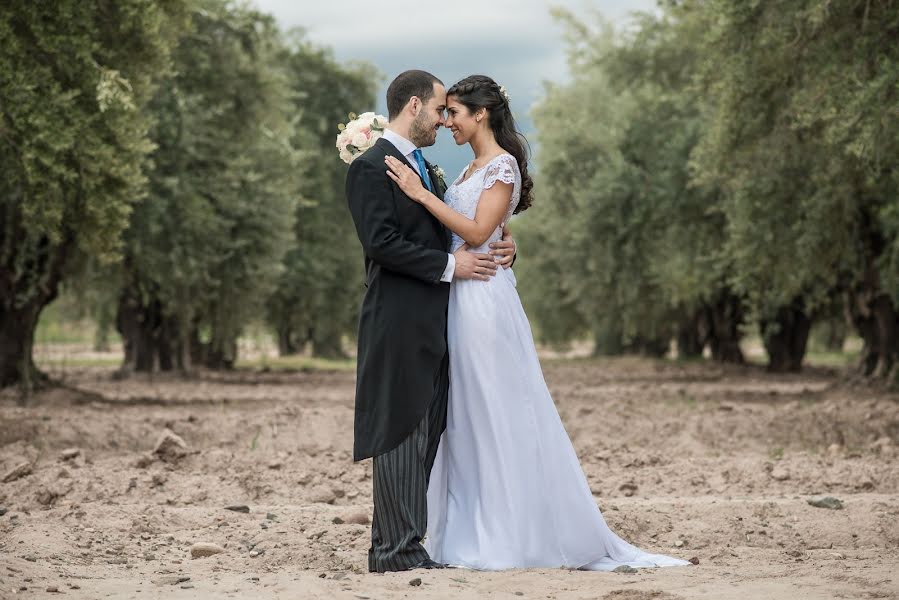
375 126
352 148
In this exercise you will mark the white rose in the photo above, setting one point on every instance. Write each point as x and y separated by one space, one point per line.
359 140
359 133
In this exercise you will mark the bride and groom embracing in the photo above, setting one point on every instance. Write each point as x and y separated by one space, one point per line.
451 403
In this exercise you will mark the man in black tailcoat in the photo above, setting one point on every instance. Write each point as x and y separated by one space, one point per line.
402 378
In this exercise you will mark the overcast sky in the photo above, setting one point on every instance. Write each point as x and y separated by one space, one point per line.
517 42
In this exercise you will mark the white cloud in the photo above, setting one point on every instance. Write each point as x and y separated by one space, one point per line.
516 42
352 26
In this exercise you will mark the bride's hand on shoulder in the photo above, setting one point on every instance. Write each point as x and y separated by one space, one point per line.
406 178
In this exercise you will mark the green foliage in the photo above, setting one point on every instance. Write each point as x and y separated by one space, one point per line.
318 292
721 157
74 75
631 244
207 241
803 138
74 79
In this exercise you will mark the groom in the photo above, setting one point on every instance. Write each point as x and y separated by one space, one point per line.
402 378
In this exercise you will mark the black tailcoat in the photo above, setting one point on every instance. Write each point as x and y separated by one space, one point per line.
402 323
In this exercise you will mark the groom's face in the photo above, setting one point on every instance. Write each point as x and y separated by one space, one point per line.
430 118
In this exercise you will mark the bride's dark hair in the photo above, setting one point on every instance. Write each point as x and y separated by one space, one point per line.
479 91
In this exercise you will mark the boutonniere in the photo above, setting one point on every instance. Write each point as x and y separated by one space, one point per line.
440 173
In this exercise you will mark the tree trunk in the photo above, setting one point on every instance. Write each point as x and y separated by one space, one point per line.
872 311
286 344
151 339
690 338
786 337
137 324
655 348
722 327
876 321
221 356
16 341
30 273
607 340
104 315
327 346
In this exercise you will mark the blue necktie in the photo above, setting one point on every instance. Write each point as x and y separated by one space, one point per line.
422 169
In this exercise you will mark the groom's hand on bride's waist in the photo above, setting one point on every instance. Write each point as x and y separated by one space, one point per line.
470 265
504 250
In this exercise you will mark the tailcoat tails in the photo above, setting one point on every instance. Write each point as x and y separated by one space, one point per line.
402 322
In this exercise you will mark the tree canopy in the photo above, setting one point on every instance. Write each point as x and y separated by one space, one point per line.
75 77
716 165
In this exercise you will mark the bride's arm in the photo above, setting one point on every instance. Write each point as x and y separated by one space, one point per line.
492 206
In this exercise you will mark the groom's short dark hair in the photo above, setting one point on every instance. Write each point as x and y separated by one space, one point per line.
408 84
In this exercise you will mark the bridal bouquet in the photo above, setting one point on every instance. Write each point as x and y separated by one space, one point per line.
359 134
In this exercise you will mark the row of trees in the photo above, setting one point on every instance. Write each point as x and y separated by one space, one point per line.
722 164
173 163
717 165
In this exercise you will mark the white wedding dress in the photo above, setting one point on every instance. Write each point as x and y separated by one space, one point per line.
507 490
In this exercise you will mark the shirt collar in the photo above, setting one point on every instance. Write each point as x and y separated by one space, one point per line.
402 144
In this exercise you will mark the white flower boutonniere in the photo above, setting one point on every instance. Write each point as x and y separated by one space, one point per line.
441 181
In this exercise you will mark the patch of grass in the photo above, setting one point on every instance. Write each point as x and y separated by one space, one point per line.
54 328
776 453
78 362
299 363
824 358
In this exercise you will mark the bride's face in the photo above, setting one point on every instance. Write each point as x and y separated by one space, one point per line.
461 121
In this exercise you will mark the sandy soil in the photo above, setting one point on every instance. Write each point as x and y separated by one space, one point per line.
691 460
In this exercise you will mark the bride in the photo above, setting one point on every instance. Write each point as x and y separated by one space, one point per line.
506 490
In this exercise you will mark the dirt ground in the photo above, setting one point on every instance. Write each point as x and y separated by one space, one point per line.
692 460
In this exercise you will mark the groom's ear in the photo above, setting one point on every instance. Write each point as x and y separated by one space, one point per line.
415 105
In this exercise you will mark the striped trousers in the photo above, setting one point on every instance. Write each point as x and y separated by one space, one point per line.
400 489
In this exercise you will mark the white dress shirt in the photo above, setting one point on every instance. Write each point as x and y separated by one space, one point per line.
406 148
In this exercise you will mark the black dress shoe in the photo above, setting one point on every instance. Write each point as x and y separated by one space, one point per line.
428 564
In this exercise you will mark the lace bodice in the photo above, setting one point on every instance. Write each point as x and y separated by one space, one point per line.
463 196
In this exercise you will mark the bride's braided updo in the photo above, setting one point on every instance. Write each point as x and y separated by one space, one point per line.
479 91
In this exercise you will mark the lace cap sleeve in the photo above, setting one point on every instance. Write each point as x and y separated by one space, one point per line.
503 168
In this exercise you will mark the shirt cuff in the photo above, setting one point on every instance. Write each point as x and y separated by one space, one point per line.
450 269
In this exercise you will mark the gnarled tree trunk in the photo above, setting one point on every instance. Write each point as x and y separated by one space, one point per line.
871 310
785 338
691 336
150 337
30 273
721 327
16 341
653 347
875 318
287 345
607 339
